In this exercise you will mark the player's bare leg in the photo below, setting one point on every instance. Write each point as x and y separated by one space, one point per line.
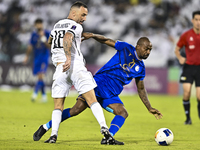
198 100
95 107
119 109
120 115
79 107
98 113
56 119
186 101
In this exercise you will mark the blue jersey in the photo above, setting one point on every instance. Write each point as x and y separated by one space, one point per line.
119 71
40 51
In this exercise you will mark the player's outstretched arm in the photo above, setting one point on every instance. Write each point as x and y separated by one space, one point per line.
99 38
67 45
143 96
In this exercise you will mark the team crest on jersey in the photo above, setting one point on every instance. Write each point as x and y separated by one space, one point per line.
73 27
137 68
191 38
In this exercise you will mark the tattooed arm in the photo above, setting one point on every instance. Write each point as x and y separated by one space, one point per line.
99 38
50 40
67 45
143 96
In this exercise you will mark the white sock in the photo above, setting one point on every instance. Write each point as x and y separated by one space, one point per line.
45 127
44 98
34 95
56 119
98 113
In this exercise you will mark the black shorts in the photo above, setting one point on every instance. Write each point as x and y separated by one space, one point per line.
190 73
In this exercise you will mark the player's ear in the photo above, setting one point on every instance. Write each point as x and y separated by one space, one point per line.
192 20
137 46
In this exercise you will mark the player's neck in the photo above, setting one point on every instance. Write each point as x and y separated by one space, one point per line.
197 31
136 54
70 18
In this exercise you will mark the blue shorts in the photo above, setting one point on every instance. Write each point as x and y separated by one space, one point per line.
40 68
104 102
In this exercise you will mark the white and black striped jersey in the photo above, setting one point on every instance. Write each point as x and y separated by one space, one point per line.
58 32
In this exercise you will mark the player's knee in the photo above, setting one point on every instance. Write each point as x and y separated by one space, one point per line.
60 107
198 97
125 114
186 95
122 112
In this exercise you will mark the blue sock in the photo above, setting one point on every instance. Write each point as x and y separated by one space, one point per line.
116 124
65 115
43 87
38 86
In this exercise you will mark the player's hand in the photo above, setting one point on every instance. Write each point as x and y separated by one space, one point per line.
182 60
43 38
67 65
41 32
156 113
86 35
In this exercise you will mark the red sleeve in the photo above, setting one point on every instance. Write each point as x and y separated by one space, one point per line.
182 41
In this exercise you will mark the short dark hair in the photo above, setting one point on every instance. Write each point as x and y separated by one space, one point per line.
79 4
142 40
39 20
195 13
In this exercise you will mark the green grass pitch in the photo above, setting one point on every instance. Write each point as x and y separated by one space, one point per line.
20 118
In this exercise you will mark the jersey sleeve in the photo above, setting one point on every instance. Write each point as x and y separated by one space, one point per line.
140 78
47 33
31 41
76 29
142 74
182 40
52 33
119 45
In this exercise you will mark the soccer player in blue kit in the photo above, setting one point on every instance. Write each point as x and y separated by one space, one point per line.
125 65
40 47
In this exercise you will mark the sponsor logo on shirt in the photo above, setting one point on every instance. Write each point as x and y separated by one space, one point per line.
127 67
191 46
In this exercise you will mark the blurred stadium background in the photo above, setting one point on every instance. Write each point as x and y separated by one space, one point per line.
161 20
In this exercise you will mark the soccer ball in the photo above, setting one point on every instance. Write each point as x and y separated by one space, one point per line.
164 137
